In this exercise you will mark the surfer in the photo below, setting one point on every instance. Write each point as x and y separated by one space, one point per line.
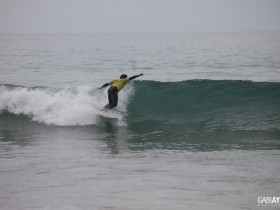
116 86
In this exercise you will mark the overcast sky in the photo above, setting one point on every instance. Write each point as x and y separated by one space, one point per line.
138 16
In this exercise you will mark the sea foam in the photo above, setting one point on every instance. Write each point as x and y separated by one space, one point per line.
63 107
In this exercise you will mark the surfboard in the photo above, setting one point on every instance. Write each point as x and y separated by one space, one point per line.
98 108
105 113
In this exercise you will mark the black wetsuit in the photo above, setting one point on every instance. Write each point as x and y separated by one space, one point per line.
112 97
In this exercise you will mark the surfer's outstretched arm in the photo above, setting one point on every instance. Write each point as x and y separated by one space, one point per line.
133 77
103 86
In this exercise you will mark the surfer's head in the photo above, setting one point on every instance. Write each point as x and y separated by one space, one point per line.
123 76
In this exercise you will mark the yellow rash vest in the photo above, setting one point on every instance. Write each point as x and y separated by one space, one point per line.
119 83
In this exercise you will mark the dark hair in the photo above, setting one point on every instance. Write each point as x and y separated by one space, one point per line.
123 76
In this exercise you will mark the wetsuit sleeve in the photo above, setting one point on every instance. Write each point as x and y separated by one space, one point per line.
133 77
105 85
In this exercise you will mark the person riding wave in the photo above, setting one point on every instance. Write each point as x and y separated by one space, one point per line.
116 86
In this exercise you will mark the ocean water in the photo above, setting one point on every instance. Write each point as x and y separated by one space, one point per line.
200 129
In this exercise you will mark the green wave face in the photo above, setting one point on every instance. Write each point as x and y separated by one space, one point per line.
228 102
205 112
